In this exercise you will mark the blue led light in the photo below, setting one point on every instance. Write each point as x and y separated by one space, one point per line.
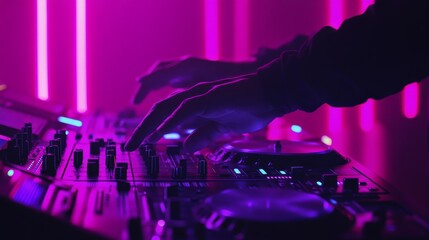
319 183
296 128
10 172
189 131
171 136
282 172
70 121
237 171
262 171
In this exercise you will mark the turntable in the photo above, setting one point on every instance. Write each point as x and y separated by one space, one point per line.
279 154
270 213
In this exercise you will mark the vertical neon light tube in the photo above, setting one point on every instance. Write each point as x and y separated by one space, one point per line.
81 91
335 19
42 51
241 30
410 100
335 13
211 10
366 110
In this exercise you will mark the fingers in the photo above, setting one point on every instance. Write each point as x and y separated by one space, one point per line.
159 75
203 136
163 110
190 108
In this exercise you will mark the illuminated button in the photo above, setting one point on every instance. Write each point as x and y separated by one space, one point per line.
319 183
171 136
296 128
262 171
282 172
70 121
237 171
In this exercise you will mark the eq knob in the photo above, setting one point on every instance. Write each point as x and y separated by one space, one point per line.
177 173
121 173
93 167
55 150
77 158
184 165
94 148
110 161
49 165
62 136
154 166
202 168
57 143
28 128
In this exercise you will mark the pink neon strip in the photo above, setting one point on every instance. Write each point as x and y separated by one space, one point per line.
241 30
410 100
42 51
211 29
81 90
335 13
335 115
367 115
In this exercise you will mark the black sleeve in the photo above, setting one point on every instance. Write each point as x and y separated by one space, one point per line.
372 55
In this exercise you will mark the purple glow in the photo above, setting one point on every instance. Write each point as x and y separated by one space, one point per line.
211 29
410 100
335 117
241 29
42 51
161 223
335 13
81 91
364 4
366 112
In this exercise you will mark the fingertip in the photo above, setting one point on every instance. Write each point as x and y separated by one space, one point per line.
140 95
154 137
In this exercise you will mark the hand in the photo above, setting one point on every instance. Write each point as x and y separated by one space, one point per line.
229 105
187 72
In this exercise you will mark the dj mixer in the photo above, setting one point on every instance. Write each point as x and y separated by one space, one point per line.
64 178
